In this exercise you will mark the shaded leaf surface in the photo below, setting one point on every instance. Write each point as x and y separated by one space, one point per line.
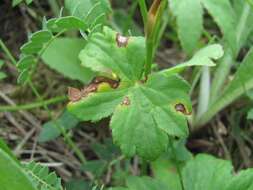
50 130
62 55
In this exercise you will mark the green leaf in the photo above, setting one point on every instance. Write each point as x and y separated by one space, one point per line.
62 55
42 178
224 15
26 62
144 183
209 173
144 112
70 22
242 181
206 172
23 76
2 75
77 185
241 83
81 8
204 57
104 54
6 149
36 42
97 105
250 114
16 2
12 175
166 171
189 22
96 167
106 151
50 130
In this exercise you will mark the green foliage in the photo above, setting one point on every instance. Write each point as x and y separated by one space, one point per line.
204 57
50 130
138 107
43 43
142 183
12 175
190 26
207 172
201 172
41 177
6 149
16 2
62 55
241 83
2 74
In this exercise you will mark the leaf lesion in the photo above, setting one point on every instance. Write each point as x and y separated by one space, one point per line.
76 95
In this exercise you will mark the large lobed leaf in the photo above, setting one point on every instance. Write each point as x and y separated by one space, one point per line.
104 54
207 172
145 112
204 172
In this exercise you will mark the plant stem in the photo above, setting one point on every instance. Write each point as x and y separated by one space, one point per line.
7 52
59 127
204 92
144 11
176 163
33 105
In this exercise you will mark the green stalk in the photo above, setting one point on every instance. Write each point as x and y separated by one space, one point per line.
7 52
66 136
204 93
33 105
176 163
153 31
144 11
227 62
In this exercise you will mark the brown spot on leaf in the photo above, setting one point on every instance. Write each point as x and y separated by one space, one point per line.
122 41
113 83
126 101
74 94
181 108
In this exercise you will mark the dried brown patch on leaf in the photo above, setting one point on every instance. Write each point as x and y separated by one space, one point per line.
126 101
74 94
113 83
122 41
181 108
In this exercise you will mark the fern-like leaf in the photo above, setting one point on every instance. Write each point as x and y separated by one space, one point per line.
41 177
